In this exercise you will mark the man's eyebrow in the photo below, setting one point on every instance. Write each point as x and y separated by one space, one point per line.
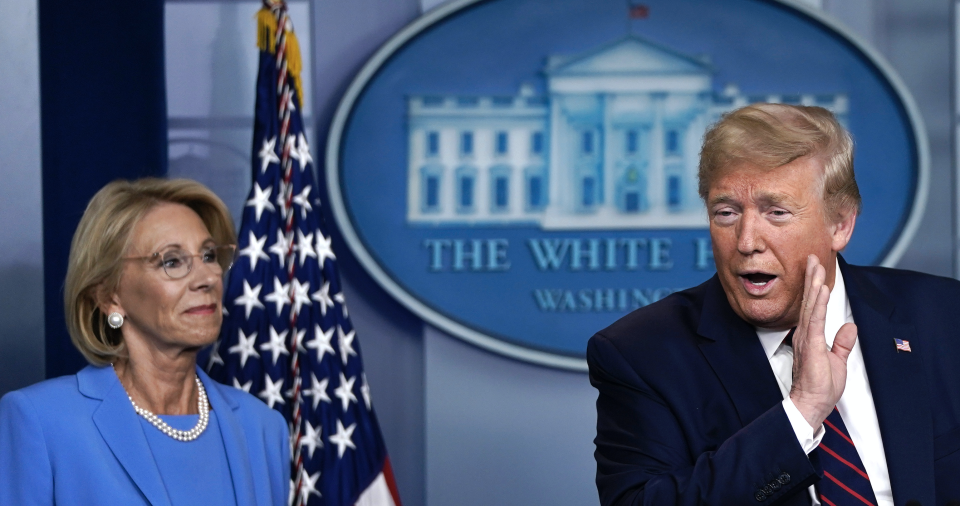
766 197
723 199
775 197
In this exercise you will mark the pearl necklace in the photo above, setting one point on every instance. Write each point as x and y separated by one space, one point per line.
179 435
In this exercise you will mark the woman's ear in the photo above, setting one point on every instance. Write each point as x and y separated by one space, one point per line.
107 300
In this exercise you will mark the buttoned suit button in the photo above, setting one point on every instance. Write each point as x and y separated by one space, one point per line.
767 490
775 485
784 478
760 496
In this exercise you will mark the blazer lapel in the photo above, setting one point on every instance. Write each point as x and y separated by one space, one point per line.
119 425
234 441
897 383
736 356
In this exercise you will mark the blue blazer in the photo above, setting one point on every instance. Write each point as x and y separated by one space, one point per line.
689 411
77 440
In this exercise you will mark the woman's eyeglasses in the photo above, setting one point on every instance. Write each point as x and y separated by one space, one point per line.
178 263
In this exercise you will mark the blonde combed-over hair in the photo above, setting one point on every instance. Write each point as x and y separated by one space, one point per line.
772 135
101 241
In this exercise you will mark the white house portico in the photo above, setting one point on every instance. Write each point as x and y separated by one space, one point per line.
614 144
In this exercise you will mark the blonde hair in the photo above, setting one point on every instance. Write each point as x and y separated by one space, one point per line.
772 135
101 240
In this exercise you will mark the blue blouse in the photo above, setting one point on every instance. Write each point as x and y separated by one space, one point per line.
194 472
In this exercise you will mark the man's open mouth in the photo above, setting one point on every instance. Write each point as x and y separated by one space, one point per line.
758 278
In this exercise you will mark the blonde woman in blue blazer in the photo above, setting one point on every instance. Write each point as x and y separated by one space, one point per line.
143 424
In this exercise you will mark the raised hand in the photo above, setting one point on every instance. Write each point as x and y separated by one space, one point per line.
819 373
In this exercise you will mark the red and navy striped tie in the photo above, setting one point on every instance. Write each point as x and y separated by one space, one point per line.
845 481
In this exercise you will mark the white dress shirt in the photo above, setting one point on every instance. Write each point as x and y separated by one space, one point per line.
856 405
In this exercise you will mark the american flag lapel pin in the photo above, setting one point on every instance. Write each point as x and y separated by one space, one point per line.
902 345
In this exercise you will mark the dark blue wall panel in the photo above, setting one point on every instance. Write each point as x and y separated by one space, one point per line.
103 117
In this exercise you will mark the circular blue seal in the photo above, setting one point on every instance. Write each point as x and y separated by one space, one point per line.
521 173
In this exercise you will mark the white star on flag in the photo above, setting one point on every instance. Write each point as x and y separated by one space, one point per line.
298 337
343 438
250 298
343 303
215 357
305 246
254 250
344 392
302 199
365 391
267 156
244 347
324 250
288 96
281 246
317 390
290 391
301 295
292 147
280 296
323 297
303 151
271 391
321 342
277 344
312 438
245 387
308 486
282 204
260 200
346 344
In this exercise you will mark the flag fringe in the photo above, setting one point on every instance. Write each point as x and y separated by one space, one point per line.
266 31
267 41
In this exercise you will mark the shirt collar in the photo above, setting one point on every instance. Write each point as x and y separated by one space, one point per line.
838 313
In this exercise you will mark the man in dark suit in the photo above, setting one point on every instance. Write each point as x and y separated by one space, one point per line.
790 377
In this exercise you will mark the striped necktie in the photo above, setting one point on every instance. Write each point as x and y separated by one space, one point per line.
845 481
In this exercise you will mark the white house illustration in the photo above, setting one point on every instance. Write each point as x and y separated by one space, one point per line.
614 144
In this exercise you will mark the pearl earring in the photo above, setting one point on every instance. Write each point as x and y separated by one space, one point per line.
115 320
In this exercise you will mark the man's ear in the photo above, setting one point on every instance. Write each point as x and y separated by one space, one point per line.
842 230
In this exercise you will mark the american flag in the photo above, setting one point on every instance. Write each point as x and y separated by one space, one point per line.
287 336
902 345
638 11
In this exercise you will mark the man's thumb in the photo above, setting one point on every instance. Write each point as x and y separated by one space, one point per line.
846 338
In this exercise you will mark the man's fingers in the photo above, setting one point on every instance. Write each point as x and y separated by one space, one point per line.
808 280
816 276
818 317
808 276
846 338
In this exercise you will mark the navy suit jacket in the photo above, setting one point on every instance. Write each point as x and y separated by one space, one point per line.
689 411
76 440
